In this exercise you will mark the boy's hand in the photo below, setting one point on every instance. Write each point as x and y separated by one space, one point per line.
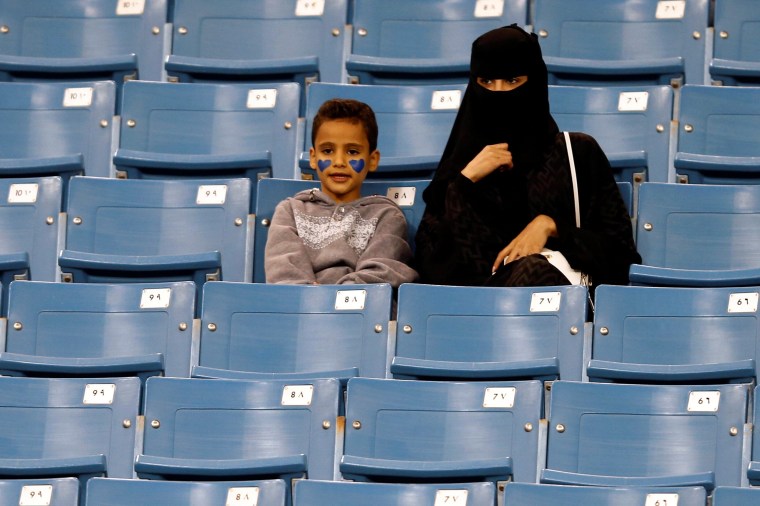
490 158
530 241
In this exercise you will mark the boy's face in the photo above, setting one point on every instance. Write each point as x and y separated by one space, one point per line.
342 159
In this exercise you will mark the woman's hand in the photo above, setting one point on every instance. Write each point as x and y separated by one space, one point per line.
530 241
490 158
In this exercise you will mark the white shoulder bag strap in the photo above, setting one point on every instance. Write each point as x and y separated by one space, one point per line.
575 179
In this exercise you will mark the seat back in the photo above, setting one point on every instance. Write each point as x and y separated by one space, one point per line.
256 330
667 334
417 41
736 49
89 329
631 124
635 41
346 493
490 333
50 491
717 135
425 431
517 494
119 492
735 496
201 131
414 123
659 435
406 194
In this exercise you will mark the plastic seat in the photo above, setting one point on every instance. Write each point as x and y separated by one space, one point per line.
644 42
68 427
439 431
407 194
735 496
56 129
626 192
257 331
737 43
631 124
520 494
753 469
414 123
717 137
82 40
92 329
611 434
697 235
51 491
30 234
175 131
150 230
447 332
204 429
120 492
665 334
421 42
346 493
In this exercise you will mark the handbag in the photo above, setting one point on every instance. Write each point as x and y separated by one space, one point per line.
556 258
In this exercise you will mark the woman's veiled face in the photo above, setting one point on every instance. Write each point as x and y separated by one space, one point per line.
502 84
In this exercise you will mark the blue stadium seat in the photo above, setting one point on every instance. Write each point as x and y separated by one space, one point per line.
407 194
414 123
120 492
29 230
212 429
56 129
68 427
346 493
735 496
718 133
82 40
753 469
257 331
534 494
150 230
697 235
259 40
422 42
626 192
623 42
447 332
171 131
439 431
92 329
736 49
631 124
611 434
50 491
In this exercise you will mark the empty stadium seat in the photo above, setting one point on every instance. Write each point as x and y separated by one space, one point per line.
191 130
407 194
447 332
68 427
626 192
623 42
92 329
736 50
418 41
345 493
149 230
50 492
82 40
523 494
735 496
666 334
697 235
414 123
717 135
212 429
753 469
259 331
56 129
439 431
610 434
120 492
30 234
631 124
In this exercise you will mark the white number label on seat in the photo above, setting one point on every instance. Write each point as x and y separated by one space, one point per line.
211 194
670 9
130 7
489 8
23 193
77 97
545 302
742 302
446 99
450 498
310 7
261 99
155 298
350 299
297 395
703 401
661 500
242 496
35 495
403 196
633 101
499 397
99 393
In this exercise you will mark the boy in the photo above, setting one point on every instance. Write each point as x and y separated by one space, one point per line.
336 236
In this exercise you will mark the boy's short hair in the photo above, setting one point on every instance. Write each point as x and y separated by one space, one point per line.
348 109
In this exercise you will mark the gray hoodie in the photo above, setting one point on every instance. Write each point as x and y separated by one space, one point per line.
313 239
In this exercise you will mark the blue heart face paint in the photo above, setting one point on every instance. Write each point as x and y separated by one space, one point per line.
323 164
357 165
